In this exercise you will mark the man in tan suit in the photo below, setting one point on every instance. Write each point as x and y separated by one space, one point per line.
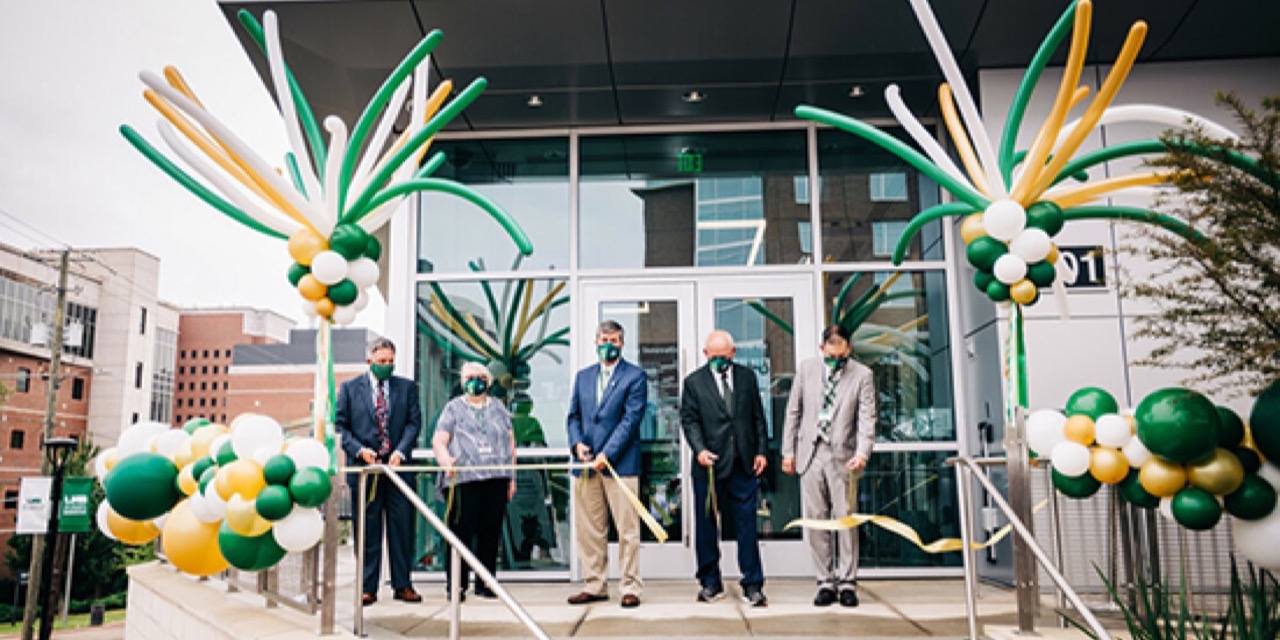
827 439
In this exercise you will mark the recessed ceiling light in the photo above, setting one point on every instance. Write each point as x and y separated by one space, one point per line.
534 101
694 96
856 91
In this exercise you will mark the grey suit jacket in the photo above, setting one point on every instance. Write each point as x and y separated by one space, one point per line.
853 420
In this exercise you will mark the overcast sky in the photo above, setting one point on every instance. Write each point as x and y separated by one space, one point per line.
69 73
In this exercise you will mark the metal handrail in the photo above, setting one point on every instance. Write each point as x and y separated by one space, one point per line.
969 468
458 550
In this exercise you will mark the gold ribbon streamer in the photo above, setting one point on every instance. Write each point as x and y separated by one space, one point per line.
892 525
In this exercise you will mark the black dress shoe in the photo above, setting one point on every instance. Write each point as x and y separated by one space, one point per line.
826 597
848 598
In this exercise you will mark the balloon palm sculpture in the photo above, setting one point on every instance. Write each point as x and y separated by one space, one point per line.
337 195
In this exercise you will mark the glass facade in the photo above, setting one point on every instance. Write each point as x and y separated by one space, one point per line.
27 312
690 206
163 362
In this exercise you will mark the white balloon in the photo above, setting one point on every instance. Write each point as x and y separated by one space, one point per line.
1111 430
308 452
1166 509
329 267
363 271
1136 453
1009 268
100 463
1071 459
214 502
1032 245
1004 219
101 518
1256 540
262 454
158 521
216 445
253 431
1271 473
300 530
201 509
138 438
309 308
1044 431
168 443
344 315
361 301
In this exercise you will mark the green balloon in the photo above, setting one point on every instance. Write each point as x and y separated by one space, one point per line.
143 486
310 487
1092 402
1264 421
249 554
191 425
344 292
1081 486
373 248
984 251
1041 273
982 279
296 271
1249 459
199 466
1196 509
997 291
274 502
1132 491
1178 425
208 475
226 455
349 240
279 469
1230 428
1254 500
1047 216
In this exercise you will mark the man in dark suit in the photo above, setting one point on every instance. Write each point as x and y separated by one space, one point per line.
724 424
608 403
379 418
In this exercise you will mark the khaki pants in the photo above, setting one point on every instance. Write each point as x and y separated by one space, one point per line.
598 497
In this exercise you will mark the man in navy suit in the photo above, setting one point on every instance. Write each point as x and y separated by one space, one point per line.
608 404
379 418
723 421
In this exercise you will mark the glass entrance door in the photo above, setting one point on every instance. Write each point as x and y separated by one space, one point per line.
772 320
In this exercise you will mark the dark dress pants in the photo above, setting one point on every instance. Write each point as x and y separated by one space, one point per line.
476 518
387 510
736 496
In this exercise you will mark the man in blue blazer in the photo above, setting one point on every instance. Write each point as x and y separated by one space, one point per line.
723 421
608 404
379 418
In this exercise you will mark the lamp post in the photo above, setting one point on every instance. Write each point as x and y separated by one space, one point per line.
56 452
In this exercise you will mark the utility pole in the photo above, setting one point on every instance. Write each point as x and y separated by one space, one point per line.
46 467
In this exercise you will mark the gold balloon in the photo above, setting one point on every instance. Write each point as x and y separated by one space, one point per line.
1079 428
187 482
241 476
131 531
192 545
1221 474
183 456
325 307
311 288
1108 465
305 244
113 457
203 438
1162 479
1023 291
242 516
971 229
1052 258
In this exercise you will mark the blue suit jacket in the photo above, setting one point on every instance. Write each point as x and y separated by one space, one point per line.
612 425
356 417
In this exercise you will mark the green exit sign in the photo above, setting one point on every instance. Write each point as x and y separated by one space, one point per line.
689 162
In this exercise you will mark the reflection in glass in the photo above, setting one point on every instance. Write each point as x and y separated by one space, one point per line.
529 178
644 203
762 331
650 341
866 196
918 489
899 325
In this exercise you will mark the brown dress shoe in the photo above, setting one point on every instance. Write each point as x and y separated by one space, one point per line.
584 598
630 601
367 599
407 594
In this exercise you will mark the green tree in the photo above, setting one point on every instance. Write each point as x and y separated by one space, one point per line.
1218 307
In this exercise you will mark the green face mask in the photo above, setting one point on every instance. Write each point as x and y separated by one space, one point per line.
835 364
474 386
382 371
608 352
720 364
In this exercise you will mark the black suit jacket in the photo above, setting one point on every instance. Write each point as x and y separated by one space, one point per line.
356 417
709 427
